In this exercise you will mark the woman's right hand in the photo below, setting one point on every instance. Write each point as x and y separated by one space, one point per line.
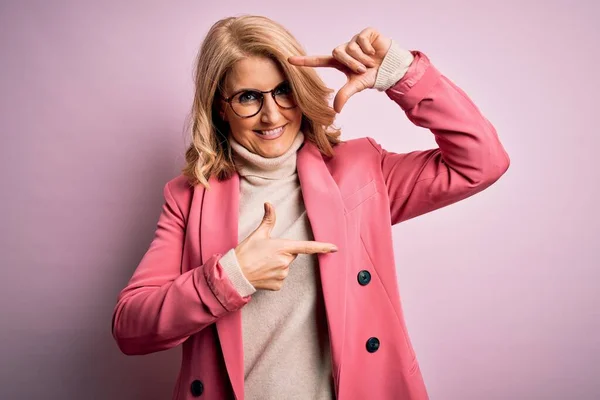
264 261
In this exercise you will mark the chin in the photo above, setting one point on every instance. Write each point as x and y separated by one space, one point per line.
274 148
273 151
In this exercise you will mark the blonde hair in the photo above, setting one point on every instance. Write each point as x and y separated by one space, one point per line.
232 39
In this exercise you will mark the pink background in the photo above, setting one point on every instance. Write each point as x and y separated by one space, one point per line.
501 291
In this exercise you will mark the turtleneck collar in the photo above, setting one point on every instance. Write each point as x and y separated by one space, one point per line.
251 164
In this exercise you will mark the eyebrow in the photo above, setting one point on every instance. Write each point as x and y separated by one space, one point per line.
254 89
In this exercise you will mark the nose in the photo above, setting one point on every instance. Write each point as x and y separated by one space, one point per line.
270 112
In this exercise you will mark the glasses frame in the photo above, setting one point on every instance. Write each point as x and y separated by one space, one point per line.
262 99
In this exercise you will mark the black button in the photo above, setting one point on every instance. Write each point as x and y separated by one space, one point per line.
372 345
197 388
364 277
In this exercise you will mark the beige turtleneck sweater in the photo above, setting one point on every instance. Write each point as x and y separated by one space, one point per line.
285 335
286 348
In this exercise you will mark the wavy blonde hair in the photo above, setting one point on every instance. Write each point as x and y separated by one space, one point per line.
232 39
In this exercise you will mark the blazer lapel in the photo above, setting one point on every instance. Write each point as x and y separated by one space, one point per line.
218 234
325 211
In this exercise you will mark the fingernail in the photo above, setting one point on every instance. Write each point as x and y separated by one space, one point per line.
334 249
362 69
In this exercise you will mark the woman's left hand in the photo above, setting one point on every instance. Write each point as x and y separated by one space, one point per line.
359 59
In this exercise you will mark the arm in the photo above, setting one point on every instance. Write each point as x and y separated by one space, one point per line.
160 307
470 156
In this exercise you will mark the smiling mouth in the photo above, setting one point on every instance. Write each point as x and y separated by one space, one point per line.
271 132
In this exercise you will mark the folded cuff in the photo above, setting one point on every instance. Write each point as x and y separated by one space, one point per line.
393 67
232 268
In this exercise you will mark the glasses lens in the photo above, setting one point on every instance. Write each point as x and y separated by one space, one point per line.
249 102
284 96
246 103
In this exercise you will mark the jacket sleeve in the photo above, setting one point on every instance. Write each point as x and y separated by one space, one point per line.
469 158
160 307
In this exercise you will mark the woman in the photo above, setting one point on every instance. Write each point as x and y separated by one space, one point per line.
272 262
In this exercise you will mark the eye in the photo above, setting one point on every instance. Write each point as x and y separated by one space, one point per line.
248 96
283 89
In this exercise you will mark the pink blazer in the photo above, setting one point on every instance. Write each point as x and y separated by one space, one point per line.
179 293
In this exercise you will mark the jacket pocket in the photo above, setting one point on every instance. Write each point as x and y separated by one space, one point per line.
357 198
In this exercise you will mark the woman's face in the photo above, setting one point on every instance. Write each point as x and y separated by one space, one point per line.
269 133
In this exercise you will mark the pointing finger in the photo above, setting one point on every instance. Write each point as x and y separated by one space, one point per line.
315 61
308 247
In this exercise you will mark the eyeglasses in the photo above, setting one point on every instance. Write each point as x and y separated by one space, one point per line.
247 103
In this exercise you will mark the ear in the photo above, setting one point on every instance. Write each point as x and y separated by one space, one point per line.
222 113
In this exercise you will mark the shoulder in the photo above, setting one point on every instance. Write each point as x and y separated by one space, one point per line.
180 191
360 149
355 157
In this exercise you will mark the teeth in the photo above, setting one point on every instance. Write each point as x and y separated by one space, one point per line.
272 132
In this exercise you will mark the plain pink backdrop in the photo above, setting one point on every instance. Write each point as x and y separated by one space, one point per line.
501 289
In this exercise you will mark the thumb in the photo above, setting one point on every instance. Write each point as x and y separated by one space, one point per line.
351 87
268 221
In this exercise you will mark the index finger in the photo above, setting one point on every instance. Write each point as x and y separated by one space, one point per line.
315 61
308 247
